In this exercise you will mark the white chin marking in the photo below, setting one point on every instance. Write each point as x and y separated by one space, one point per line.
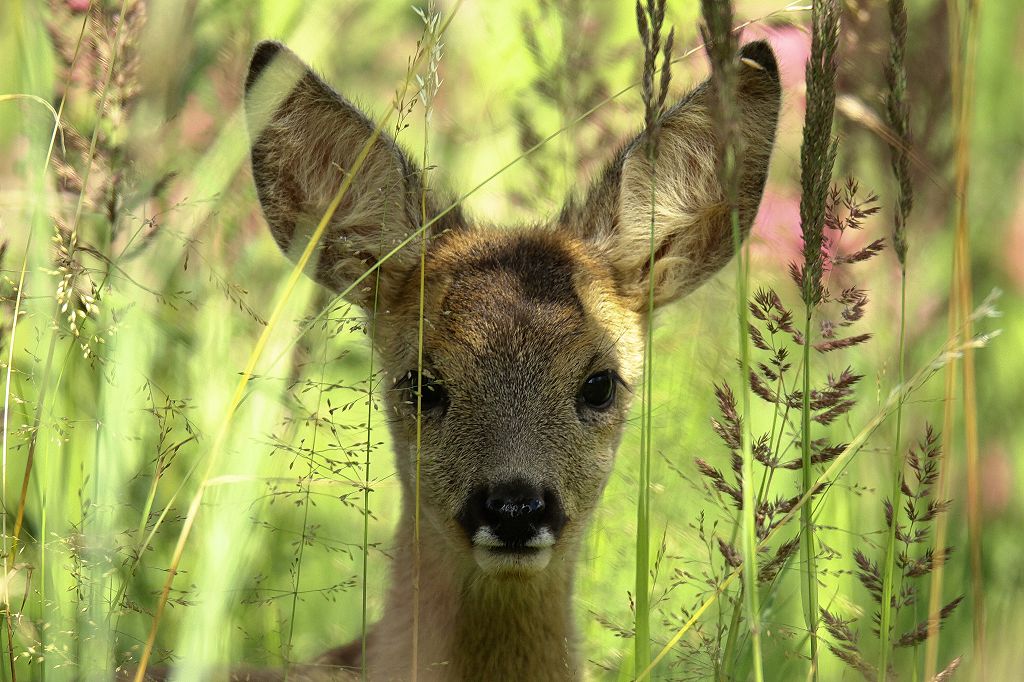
493 556
525 562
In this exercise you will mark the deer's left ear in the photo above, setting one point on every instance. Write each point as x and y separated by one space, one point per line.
692 231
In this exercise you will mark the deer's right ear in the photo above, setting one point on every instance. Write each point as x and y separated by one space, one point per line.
305 140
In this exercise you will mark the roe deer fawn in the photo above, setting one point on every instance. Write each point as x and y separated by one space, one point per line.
532 341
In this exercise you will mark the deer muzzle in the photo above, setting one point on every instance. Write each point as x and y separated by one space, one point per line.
513 526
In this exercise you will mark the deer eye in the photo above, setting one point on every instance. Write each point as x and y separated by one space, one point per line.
598 391
434 395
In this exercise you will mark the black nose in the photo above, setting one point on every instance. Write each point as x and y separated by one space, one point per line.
514 502
514 511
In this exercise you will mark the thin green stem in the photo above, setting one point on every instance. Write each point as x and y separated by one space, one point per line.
752 598
889 569
807 549
427 84
730 644
305 513
642 637
364 624
419 450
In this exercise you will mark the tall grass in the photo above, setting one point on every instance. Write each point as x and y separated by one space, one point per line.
817 158
649 23
899 120
429 83
197 481
721 43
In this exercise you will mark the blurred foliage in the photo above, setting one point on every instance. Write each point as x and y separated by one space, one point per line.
168 274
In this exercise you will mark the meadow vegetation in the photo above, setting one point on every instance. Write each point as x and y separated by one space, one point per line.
820 481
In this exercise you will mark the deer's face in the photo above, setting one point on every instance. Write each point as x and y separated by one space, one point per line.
529 359
530 341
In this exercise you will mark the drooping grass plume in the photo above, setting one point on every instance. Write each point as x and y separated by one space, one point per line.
911 524
771 378
649 21
952 347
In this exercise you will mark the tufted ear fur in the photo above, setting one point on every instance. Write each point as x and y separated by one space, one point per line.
693 230
305 139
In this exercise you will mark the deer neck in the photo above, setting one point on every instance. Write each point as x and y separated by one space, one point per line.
470 625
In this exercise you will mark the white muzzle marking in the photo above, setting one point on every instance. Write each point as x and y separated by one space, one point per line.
494 556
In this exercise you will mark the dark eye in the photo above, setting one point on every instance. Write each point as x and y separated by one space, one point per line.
434 394
598 391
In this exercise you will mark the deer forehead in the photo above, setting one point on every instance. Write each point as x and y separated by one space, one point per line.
533 302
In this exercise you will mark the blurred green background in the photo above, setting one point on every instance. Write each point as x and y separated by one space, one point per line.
122 410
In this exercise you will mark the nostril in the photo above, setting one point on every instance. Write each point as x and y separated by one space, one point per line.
515 511
504 507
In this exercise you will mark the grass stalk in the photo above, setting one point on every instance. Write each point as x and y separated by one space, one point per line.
649 25
889 569
364 620
897 110
721 46
729 653
808 554
419 459
817 157
431 46
949 405
963 54
642 655
946 474
963 248
19 297
303 540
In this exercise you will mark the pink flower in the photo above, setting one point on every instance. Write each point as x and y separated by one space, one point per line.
777 241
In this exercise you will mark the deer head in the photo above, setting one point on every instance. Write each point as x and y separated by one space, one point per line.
532 339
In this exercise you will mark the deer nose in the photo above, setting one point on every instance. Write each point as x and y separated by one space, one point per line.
512 503
516 511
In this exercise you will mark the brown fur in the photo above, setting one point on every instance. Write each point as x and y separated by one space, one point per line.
515 321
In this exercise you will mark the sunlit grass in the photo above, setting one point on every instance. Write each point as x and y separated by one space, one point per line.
286 532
